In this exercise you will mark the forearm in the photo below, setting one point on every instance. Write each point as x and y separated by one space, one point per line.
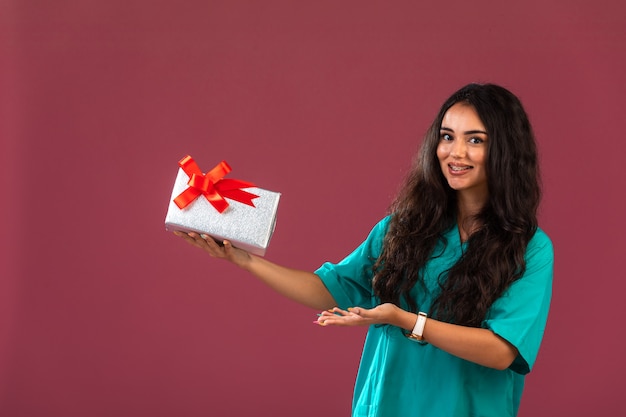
477 345
301 286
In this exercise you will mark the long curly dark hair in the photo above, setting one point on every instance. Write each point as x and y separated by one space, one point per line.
426 208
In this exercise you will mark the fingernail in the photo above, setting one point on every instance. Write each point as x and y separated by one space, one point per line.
203 236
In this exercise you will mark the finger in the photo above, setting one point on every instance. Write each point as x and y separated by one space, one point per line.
228 247
196 238
337 321
232 252
325 321
341 312
328 313
186 237
205 243
327 318
336 311
210 242
214 248
201 238
324 316
361 312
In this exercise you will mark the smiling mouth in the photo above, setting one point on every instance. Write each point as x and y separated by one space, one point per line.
459 169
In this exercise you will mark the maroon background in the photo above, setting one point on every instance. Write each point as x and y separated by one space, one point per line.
103 313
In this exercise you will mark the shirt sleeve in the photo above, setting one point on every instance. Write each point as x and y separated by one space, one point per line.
350 281
520 315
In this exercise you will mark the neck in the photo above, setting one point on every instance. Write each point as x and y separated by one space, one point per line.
469 205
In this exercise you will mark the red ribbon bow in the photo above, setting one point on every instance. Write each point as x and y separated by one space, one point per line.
212 185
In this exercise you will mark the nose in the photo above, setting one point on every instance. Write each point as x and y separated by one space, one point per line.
458 149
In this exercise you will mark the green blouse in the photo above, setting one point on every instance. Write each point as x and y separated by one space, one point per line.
399 377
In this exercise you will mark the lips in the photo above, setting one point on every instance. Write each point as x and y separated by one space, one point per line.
459 168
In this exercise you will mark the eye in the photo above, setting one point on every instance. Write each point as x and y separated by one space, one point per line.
476 140
445 136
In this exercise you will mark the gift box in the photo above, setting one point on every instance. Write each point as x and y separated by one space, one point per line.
222 208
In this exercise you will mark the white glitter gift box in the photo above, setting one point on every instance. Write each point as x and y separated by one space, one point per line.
221 208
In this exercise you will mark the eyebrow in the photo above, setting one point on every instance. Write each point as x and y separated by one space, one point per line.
469 132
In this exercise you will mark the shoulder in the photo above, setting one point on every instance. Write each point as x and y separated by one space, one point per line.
383 225
540 243
378 232
539 253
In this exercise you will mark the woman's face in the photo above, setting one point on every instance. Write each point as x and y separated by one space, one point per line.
462 150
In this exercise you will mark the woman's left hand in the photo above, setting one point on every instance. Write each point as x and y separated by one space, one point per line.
358 316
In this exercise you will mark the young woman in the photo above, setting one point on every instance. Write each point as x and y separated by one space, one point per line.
455 284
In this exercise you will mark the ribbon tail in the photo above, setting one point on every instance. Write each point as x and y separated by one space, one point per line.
230 184
241 196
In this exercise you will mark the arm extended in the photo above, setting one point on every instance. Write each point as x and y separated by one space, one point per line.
481 346
301 286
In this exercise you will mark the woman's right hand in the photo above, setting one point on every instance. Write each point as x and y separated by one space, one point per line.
226 251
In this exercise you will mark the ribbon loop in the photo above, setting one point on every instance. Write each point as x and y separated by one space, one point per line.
200 182
212 185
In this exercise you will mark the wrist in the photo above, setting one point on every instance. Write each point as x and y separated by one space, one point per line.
246 262
402 319
417 331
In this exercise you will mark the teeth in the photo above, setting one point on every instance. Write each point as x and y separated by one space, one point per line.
458 168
